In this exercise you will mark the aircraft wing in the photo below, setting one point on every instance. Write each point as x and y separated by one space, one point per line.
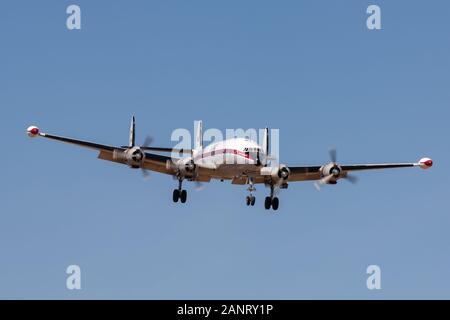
153 162
304 173
314 172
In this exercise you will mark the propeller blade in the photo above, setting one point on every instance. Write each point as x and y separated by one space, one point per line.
145 173
323 181
317 185
333 155
351 178
199 186
147 142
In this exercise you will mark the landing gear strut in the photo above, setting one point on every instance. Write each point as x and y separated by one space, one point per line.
271 201
250 199
180 194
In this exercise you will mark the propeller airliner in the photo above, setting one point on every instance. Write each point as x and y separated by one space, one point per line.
219 161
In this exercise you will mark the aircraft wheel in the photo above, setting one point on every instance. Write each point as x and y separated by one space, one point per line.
275 203
252 201
183 196
268 203
176 195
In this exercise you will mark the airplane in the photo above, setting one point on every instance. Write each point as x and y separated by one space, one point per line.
219 161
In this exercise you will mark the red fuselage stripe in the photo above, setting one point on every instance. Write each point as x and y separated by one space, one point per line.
222 152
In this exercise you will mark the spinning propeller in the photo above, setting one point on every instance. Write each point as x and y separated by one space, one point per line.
332 172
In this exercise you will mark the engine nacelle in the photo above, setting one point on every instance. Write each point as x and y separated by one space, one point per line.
331 170
278 174
134 157
185 167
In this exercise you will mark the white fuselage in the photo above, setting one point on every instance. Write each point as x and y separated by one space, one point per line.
231 158
237 151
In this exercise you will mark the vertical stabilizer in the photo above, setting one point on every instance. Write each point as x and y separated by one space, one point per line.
132 141
198 135
265 142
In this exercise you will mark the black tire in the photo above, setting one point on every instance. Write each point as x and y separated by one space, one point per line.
268 203
176 195
275 203
248 200
183 196
252 202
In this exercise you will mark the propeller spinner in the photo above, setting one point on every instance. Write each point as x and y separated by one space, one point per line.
332 172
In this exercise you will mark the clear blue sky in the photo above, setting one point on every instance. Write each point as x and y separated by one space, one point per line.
309 68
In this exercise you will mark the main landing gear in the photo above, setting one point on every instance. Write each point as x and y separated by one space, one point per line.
271 201
180 194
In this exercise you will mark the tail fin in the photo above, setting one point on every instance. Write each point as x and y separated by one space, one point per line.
265 142
198 135
132 140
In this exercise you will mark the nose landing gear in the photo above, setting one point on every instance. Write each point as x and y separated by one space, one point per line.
250 199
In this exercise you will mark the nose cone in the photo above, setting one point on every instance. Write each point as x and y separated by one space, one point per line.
33 131
426 163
